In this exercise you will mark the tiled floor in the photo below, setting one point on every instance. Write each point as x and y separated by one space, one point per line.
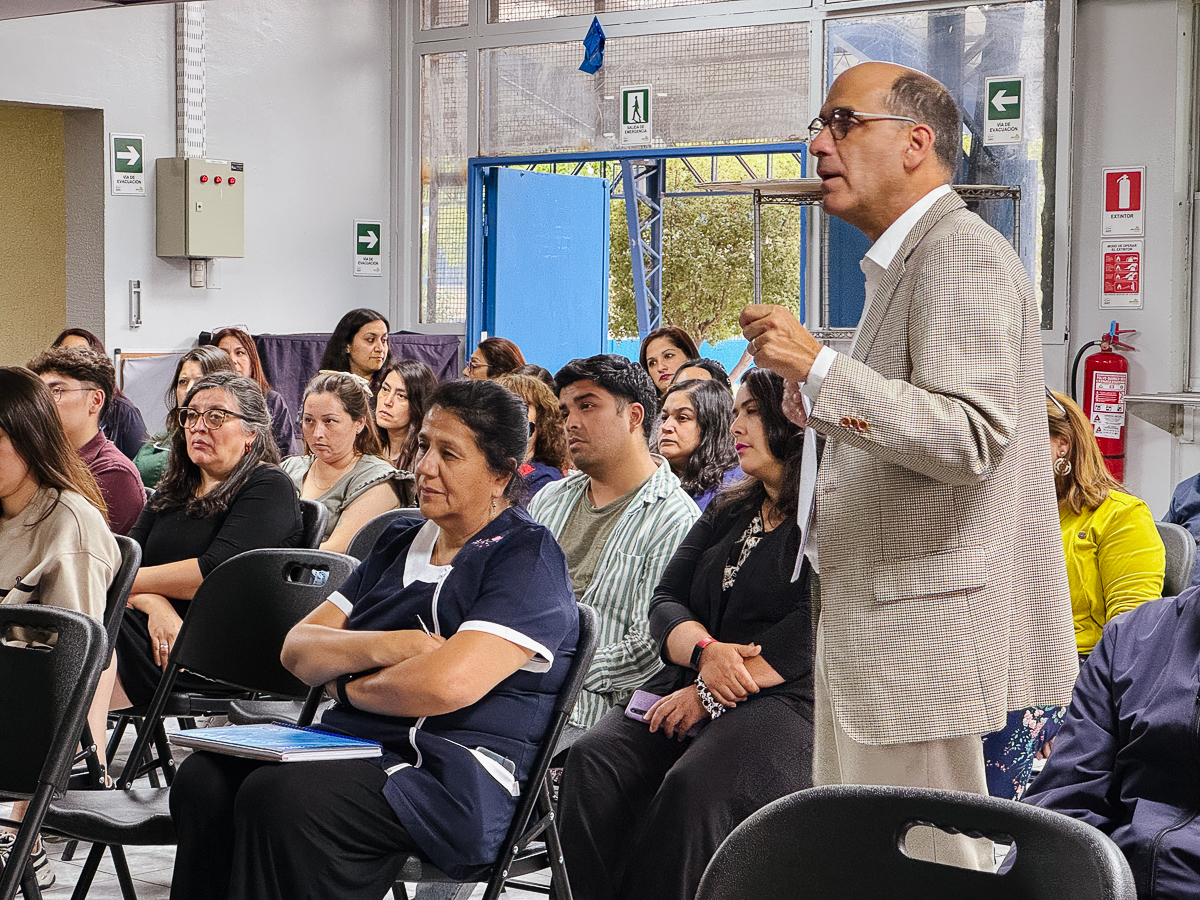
151 868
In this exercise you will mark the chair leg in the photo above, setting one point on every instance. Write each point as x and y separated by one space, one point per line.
84 884
68 853
560 888
399 891
29 885
123 876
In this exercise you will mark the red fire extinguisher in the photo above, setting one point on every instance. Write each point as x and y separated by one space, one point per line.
1105 384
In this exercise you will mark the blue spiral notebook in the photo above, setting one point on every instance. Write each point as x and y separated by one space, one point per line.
278 742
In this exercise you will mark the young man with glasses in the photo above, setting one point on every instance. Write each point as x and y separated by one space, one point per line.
944 595
83 383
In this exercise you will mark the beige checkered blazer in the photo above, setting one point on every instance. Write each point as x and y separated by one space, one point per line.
944 595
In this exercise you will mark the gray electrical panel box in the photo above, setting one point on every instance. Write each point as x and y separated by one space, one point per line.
201 205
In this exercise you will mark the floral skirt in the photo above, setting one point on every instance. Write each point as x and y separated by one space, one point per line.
1008 754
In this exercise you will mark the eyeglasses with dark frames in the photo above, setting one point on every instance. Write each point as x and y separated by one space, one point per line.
213 418
472 365
841 120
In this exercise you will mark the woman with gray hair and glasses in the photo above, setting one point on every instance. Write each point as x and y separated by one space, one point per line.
223 494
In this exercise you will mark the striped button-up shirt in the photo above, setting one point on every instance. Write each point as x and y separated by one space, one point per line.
629 568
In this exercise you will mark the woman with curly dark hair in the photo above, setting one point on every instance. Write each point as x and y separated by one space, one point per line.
694 437
547 459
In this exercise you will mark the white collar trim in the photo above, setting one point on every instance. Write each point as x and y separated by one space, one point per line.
419 565
884 250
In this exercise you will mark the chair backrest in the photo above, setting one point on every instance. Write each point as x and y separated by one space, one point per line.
122 584
315 516
364 539
45 693
845 841
519 832
1181 557
237 621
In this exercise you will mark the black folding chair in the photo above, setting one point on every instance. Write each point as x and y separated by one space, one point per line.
848 841
47 689
364 539
532 843
233 633
315 516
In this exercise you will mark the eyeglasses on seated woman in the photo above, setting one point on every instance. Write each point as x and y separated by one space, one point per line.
447 645
223 493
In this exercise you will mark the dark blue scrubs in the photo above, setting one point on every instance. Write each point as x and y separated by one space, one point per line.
454 779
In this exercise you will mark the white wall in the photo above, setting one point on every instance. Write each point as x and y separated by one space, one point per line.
299 91
1132 107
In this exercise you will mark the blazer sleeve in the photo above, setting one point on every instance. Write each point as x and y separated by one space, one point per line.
955 414
1080 777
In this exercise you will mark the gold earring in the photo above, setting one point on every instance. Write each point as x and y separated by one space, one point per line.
1062 465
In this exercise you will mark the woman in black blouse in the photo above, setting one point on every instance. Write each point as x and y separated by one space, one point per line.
223 493
644 804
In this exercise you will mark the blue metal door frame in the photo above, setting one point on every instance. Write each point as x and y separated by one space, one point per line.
476 220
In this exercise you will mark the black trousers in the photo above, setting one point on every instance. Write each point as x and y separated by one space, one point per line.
283 831
642 814
135 663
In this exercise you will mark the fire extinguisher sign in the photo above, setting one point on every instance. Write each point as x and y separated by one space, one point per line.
1108 403
1124 204
1121 278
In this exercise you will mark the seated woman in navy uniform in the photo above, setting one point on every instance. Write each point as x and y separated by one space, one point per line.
460 710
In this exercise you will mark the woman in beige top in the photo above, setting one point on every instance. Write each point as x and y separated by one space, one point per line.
58 549
344 469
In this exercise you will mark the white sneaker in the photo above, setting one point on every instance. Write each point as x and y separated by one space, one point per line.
41 862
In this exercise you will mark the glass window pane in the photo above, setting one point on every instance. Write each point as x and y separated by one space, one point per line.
443 13
961 48
444 112
524 10
711 87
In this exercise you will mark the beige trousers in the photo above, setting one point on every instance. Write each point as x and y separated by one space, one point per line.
955 764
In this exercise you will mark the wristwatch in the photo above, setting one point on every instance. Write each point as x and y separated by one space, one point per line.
698 650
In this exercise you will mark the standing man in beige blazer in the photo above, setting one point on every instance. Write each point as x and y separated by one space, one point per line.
944 595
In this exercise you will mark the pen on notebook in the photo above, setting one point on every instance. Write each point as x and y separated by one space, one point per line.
421 622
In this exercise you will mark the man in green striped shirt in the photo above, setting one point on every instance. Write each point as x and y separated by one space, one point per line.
619 519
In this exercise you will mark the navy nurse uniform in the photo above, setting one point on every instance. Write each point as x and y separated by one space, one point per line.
450 781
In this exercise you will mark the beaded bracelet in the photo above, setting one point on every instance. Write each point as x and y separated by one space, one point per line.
712 705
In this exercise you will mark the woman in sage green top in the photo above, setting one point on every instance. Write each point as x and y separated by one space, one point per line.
344 470
151 461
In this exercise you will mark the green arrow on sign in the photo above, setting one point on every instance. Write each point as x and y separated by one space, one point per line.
368 239
127 155
1004 100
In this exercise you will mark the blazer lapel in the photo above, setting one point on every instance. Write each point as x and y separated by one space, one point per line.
891 278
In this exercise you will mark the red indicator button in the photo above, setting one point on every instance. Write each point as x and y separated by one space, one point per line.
232 180
217 180
203 179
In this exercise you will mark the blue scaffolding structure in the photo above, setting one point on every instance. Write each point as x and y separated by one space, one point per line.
639 179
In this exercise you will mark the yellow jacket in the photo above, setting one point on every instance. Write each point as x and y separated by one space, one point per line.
1115 561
